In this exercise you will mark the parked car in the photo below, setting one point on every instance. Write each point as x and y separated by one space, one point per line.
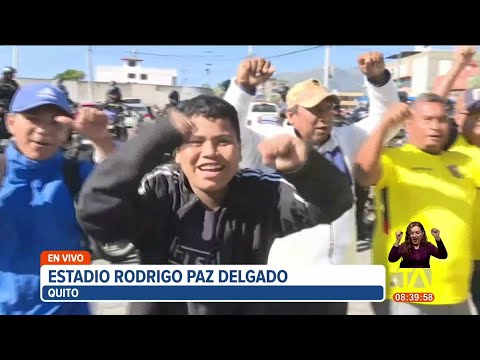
88 104
264 118
262 112
137 113
129 100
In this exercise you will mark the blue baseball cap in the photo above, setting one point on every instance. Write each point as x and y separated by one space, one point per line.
31 96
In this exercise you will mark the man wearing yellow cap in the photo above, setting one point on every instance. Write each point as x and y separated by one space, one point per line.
311 111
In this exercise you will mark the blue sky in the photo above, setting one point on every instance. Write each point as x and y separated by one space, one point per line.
190 61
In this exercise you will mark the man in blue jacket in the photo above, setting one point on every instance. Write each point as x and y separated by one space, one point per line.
36 206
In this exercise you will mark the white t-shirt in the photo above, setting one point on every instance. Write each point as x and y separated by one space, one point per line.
325 244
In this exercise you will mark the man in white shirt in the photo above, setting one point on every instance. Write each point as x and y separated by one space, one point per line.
310 111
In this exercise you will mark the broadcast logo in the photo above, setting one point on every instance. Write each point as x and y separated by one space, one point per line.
412 279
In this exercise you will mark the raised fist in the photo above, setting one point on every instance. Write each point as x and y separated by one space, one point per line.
399 235
397 114
436 233
89 122
464 55
253 72
285 153
371 64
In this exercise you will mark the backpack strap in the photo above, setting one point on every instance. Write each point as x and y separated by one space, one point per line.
71 174
73 180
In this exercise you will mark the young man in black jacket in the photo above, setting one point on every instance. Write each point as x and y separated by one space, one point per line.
204 210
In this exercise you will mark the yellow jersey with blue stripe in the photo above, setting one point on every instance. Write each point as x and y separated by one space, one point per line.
461 145
439 191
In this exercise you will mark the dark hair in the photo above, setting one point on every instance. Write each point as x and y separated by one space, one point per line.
9 70
403 96
174 95
408 242
211 107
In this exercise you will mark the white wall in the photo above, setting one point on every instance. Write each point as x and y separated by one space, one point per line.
420 75
109 73
155 76
150 94
444 66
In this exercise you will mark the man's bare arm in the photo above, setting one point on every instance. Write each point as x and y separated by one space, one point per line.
463 57
367 167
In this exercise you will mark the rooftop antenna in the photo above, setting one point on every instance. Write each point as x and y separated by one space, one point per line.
90 74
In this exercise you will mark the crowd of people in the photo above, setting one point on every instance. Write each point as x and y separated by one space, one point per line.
226 195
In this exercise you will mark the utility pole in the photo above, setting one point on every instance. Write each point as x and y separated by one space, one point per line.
399 69
15 57
250 51
208 71
90 74
326 71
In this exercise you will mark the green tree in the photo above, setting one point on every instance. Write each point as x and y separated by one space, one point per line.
221 88
71 74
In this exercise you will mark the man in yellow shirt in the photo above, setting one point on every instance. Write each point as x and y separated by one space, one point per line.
467 142
421 182
465 136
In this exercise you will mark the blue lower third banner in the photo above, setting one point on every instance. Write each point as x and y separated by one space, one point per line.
211 283
213 293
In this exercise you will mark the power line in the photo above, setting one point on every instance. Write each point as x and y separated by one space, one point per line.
293 52
213 58
124 51
217 57
280 55
180 56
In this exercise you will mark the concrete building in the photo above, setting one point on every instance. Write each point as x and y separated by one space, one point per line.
266 91
415 71
271 85
132 71
80 91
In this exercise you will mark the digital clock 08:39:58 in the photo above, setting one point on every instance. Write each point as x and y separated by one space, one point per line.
413 297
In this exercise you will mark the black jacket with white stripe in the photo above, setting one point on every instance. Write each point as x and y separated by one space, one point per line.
119 202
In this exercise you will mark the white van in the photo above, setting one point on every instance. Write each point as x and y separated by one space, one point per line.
264 118
262 112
